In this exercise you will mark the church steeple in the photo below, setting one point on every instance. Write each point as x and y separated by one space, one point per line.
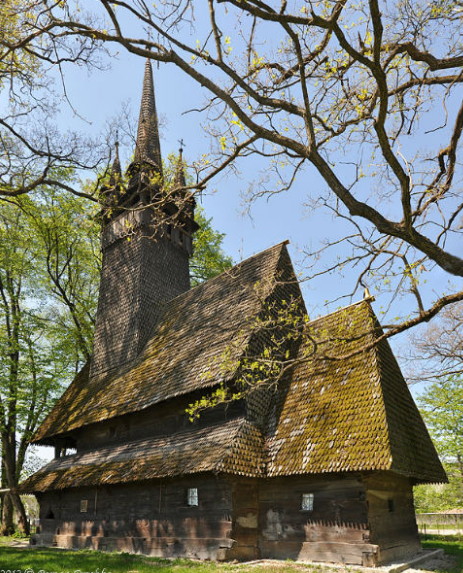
148 147
146 242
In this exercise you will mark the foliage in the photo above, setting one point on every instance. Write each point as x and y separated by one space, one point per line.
48 281
434 498
209 259
441 405
442 409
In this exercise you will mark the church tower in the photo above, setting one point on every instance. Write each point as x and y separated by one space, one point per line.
146 242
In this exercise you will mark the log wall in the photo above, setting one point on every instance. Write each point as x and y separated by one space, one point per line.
152 518
161 419
355 519
392 515
335 530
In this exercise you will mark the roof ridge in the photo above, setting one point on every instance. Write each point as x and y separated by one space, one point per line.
333 312
228 271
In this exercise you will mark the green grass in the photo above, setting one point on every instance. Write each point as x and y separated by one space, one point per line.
453 545
62 561
46 560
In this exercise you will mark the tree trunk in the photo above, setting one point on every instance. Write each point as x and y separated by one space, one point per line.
23 524
7 527
10 479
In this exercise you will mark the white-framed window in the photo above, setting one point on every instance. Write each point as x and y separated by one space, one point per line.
83 505
192 496
307 502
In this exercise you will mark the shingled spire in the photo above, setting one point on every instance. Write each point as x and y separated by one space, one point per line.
146 242
148 147
179 180
116 170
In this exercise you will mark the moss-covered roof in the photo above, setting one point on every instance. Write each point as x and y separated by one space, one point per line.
349 414
197 345
342 405
235 447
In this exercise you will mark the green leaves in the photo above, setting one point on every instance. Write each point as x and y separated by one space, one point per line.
208 258
48 293
442 409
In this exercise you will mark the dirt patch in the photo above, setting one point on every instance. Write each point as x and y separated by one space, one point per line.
442 562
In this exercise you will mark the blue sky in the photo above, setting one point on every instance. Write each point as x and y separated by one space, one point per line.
100 96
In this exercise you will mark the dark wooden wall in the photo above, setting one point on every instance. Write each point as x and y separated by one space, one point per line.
356 519
151 517
162 419
335 530
392 515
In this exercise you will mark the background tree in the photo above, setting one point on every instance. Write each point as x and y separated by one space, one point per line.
361 93
438 350
48 286
442 409
209 259
33 149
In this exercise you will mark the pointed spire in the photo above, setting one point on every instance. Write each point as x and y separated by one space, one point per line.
148 148
180 181
185 201
116 171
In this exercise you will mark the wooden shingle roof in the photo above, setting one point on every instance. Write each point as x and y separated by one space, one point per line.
235 447
198 344
343 406
347 406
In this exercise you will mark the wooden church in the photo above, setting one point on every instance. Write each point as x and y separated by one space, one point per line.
317 464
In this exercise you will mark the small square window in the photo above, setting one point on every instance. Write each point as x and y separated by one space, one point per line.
192 496
83 505
307 501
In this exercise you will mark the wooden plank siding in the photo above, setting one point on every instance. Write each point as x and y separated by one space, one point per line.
352 520
151 518
392 515
336 529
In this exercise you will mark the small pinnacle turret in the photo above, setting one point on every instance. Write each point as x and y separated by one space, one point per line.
184 199
110 193
179 180
116 170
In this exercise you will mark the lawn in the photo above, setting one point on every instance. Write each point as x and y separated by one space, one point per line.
54 560
452 545
41 560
